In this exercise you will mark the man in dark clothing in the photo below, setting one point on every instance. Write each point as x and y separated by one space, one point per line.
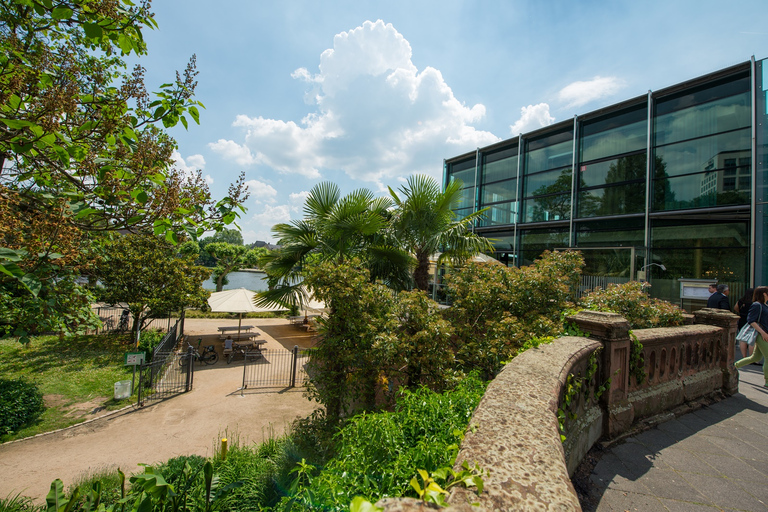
719 299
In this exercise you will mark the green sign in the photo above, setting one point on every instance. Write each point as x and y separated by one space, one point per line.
134 358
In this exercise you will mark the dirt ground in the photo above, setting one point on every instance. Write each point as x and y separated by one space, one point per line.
191 423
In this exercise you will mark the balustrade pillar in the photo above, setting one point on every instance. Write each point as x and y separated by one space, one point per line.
613 331
725 351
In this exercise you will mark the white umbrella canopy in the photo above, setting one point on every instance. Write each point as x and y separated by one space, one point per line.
240 301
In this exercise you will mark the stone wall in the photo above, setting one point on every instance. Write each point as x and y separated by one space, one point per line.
515 435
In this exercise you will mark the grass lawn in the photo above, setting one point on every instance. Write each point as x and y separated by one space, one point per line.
76 376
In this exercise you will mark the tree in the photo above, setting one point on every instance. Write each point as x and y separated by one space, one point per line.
335 229
83 147
424 223
150 275
228 258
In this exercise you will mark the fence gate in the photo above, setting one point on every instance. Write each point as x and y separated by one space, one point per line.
168 374
276 368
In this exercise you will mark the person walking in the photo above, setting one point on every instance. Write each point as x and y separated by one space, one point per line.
758 319
742 309
719 299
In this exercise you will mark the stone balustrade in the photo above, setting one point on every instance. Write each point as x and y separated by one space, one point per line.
583 389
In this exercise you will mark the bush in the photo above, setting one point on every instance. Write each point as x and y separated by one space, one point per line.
20 403
148 341
496 309
378 454
630 301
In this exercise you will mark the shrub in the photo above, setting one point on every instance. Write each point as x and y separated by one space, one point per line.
148 340
20 403
378 454
630 301
496 309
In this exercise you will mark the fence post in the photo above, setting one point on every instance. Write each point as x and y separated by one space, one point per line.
190 368
293 365
140 394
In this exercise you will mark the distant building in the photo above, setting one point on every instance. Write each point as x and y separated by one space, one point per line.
677 177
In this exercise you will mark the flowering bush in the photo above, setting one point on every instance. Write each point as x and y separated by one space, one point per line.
497 309
630 301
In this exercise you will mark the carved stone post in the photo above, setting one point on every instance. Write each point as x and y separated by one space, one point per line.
727 346
613 331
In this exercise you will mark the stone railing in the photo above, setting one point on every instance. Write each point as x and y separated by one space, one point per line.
583 389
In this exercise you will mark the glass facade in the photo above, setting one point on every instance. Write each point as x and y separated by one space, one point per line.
678 178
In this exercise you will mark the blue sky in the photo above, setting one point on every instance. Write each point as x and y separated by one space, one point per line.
365 93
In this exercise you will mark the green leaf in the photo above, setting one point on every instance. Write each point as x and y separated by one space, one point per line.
184 122
12 254
12 270
229 218
360 504
195 114
32 283
61 13
92 30
171 236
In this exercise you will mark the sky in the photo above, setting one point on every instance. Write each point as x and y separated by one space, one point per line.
365 93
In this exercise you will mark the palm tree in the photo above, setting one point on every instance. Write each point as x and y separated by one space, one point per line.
424 223
334 228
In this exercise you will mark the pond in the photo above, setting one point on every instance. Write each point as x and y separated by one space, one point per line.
250 280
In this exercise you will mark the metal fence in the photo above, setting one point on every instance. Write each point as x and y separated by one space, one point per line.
276 368
169 373
113 319
589 283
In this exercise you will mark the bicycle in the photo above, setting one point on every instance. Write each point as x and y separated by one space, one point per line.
246 352
209 355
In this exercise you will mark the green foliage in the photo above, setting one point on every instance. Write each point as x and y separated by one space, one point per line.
632 302
377 454
148 341
496 309
414 348
72 370
83 148
18 503
20 403
229 258
636 361
424 223
344 364
148 274
434 486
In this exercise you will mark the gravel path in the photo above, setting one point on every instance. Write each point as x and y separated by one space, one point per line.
191 423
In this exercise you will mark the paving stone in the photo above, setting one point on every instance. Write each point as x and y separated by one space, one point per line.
636 455
701 444
685 506
735 468
617 501
724 492
655 440
694 422
674 426
740 449
670 484
683 460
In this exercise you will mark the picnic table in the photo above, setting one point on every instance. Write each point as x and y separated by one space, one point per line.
242 328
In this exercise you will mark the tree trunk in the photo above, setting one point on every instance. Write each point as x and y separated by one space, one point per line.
421 272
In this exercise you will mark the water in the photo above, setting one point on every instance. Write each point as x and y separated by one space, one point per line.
255 281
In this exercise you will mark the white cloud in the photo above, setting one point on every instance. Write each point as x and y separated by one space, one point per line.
190 165
232 150
298 199
532 117
261 192
259 226
581 93
376 115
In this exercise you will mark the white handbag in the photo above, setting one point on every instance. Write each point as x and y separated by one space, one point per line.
748 334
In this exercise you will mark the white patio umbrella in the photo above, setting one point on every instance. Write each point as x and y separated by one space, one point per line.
239 301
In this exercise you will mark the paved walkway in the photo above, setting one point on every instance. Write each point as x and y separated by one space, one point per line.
715 458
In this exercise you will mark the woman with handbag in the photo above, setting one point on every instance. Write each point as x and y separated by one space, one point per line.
742 309
758 319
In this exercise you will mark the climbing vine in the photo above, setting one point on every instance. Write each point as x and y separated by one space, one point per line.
576 385
636 361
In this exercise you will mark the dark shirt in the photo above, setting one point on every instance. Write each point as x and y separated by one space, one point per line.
758 312
718 301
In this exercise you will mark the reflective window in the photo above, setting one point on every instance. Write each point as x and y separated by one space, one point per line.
547 182
500 165
613 200
498 214
703 142
535 242
500 191
615 170
623 133
464 171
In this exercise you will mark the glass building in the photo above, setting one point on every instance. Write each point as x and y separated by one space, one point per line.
664 186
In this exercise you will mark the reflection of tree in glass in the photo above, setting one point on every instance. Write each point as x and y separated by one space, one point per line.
627 199
556 203
663 196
